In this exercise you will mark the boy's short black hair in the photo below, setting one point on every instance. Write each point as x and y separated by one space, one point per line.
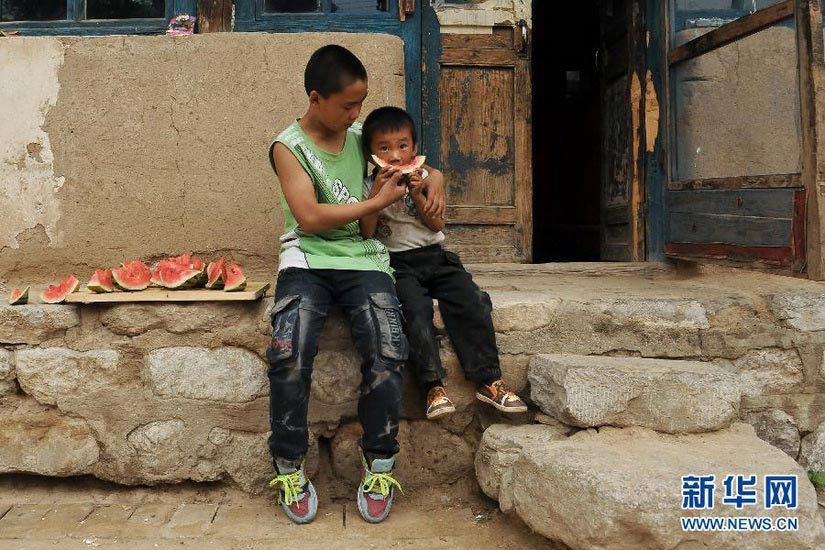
330 69
386 119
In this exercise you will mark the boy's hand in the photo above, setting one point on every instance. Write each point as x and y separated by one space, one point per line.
415 184
388 174
390 190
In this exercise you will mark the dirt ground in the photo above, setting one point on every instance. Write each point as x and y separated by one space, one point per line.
85 513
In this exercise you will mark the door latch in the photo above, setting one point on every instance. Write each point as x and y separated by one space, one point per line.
405 8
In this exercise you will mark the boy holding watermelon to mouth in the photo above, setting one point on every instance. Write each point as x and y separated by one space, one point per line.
424 270
324 260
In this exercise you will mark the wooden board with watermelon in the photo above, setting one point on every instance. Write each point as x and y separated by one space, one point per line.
184 278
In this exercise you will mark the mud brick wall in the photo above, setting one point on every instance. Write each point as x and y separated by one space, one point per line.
162 393
124 147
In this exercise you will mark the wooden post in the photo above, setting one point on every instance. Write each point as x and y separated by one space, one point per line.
214 16
811 90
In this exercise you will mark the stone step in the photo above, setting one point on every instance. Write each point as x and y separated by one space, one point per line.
661 394
621 488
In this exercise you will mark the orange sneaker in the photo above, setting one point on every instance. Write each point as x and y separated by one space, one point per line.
438 404
497 395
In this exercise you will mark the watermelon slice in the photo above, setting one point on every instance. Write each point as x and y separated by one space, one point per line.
101 281
416 163
216 274
56 294
192 262
170 274
234 279
132 275
19 297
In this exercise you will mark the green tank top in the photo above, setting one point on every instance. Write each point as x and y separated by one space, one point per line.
338 179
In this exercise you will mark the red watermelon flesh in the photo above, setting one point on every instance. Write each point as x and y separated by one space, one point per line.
188 260
19 297
192 262
216 273
101 281
132 275
234 279
56 294
414 164
169 274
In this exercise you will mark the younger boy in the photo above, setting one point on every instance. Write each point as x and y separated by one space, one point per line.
424 270
324 260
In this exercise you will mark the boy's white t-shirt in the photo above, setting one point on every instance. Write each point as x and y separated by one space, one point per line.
399 226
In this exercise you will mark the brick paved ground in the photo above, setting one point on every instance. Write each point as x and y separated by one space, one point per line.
37 513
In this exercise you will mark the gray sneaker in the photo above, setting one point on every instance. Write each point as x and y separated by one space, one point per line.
296 494
376 491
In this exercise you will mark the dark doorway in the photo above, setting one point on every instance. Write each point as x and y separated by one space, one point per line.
566 131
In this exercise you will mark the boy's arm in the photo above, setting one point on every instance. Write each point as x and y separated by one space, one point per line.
431 220
436 201
313 216
369 222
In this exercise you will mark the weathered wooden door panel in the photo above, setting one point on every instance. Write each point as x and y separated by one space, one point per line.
484 99
622 195
765 225
736 195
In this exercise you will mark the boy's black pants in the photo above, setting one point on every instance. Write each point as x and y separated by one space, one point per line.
302 300
432 272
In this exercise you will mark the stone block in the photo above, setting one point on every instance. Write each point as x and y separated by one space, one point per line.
157 448
652 328
664 395
244 457
179 318
804 312
777 428
618 489
7 374
49 374
336 377
807 409
521 311
501 445
231 375
770 371
430 454
35 323
39 440
812 451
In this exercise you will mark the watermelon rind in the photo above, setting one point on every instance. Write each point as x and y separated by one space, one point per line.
138 269
19 297
101 281
234 280
416 163
57 294
172 275
215 274
192 262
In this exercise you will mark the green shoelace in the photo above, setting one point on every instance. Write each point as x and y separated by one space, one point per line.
291 485
384 482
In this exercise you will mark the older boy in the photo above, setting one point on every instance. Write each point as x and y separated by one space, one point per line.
424 270
324 260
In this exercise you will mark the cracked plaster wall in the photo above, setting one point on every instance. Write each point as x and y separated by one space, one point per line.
115 148
737 108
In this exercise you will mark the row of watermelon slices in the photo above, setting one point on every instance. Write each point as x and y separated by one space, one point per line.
180 272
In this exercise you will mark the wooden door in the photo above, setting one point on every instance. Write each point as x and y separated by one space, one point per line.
481 141
621 61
